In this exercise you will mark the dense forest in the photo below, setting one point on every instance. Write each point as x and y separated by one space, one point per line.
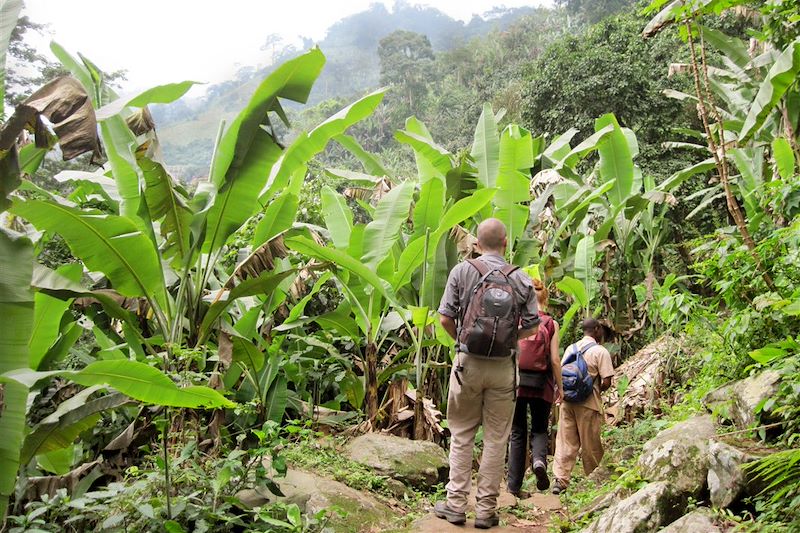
205 307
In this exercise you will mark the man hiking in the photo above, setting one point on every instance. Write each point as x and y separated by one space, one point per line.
586 372
487 306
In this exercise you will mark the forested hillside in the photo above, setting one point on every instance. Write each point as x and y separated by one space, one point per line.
352 68
258 348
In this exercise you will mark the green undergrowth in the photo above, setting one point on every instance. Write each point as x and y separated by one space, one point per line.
324 455
617 472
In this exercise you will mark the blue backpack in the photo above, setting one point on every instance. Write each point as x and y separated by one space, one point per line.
578 383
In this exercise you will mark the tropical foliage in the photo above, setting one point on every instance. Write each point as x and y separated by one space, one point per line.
184 326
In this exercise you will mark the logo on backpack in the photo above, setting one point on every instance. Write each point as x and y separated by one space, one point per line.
489 325
577 381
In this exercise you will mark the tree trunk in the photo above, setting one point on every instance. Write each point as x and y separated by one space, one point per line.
705 101
372 382
419 414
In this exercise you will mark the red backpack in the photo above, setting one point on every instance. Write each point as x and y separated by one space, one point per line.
534 352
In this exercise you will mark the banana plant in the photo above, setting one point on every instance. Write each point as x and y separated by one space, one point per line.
160 246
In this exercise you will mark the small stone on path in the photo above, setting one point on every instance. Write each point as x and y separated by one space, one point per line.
546 502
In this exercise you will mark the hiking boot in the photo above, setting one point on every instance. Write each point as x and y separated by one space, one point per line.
540 471
520 494
559 486
488 522
443 511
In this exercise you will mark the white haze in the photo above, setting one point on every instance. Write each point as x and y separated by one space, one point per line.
162 41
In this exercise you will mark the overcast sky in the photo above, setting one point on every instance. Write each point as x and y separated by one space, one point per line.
161 41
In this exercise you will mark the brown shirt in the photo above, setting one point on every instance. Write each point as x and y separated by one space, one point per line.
464 277
598 359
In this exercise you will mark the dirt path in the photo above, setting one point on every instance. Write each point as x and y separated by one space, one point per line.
536 510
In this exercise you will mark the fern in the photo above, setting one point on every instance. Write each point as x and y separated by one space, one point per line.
780 472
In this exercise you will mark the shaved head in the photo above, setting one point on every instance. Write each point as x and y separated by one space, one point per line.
594 328
492 235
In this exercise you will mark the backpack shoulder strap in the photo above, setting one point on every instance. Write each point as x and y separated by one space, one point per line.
480 266
570 354
508 270
586 348
546 323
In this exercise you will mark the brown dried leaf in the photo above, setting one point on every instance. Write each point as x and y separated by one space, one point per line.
65 104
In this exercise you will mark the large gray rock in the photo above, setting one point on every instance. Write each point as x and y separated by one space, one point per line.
601 503
679 455
417 462
738 401
695 522
313 493
727 481
644 511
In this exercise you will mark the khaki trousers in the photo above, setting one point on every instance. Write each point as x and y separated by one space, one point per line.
578 430
484 396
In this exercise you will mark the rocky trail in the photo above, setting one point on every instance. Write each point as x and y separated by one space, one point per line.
681 472
537 509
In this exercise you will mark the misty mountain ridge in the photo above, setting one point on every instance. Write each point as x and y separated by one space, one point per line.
187 127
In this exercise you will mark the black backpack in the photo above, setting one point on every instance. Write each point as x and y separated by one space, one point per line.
490 319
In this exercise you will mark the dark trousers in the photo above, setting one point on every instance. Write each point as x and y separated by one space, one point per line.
540 418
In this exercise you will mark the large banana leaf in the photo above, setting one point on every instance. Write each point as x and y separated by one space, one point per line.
166 201
513 182
436 274
486 148
675 180
132 378
109 244
428 209
341 260
784 157
48 312
118 140
61 428
247 353
54 284
782 75
734 50
266 283
559 148
575 155
247 151
338 217
574 288
414 253
16 310
616 161
516 149
370 163
339 320
120 145
584 264
277 397
433 161
162 94
278 217
381 234
307 145
78 70
9 11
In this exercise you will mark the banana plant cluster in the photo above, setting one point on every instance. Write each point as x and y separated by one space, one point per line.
391 271
749 106
158 248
